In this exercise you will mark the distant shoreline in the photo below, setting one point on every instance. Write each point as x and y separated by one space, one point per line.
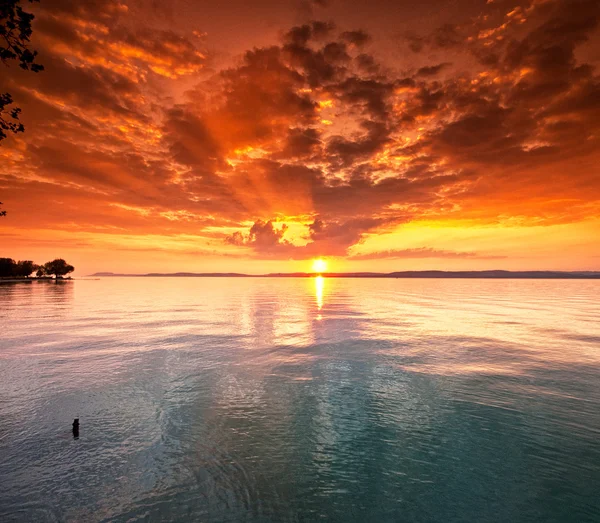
31 280
521 275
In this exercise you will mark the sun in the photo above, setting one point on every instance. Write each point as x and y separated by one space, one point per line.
319 265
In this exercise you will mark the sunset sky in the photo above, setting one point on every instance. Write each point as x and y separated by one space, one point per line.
256 136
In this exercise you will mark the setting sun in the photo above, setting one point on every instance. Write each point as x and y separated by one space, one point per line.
319 265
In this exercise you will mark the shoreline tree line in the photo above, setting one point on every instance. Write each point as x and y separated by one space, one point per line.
10 268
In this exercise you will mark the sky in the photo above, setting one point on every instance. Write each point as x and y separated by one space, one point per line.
255 137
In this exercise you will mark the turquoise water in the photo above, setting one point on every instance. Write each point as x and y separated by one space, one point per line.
300 400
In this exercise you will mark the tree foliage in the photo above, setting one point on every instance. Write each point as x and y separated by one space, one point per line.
15 34
58 267
25 268
10 268
2 213
7 267
21 269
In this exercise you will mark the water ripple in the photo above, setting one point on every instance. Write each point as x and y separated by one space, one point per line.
288 400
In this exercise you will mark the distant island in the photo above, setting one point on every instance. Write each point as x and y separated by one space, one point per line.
552 275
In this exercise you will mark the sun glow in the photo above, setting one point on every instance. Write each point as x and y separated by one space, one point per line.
319 265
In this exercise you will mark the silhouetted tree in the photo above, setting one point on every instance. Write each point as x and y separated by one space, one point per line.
2 213
58 267
24 268
15 32
7 267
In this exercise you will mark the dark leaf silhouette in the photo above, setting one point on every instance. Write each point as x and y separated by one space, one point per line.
10 268
15 34
58 267
21 269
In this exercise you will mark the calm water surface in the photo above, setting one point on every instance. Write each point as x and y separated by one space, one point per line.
300 400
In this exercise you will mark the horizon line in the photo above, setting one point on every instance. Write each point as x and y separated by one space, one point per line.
487 274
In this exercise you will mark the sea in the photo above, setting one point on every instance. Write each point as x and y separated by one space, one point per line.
300 399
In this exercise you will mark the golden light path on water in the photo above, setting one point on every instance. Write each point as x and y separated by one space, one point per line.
319 288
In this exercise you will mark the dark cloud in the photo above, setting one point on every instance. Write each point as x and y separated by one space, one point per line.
300 35
371 95
301 143
344 152
367 63
263 236
432 70
262 97
191 141
357 38
447 36
332 238
336 52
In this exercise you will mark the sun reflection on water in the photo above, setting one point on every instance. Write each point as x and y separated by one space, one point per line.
319 286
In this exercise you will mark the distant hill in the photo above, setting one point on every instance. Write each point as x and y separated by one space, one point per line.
553 275
176 275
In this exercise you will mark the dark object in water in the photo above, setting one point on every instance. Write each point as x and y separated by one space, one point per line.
76 428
